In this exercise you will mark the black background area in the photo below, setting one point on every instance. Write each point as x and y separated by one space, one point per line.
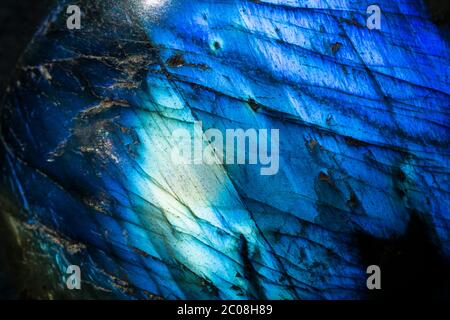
19 20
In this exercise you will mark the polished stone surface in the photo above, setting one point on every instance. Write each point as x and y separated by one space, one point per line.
364 132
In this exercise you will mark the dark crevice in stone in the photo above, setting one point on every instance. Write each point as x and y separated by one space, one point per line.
439 11
412 265
249 271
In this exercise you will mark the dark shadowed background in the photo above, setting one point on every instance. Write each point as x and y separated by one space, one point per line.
18 22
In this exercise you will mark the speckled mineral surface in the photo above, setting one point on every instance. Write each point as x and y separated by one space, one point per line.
87 128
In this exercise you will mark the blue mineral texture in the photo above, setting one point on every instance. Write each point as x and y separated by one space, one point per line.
87 177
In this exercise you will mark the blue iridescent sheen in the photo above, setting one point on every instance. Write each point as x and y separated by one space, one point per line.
364 132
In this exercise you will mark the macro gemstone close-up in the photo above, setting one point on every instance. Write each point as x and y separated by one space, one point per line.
210 149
